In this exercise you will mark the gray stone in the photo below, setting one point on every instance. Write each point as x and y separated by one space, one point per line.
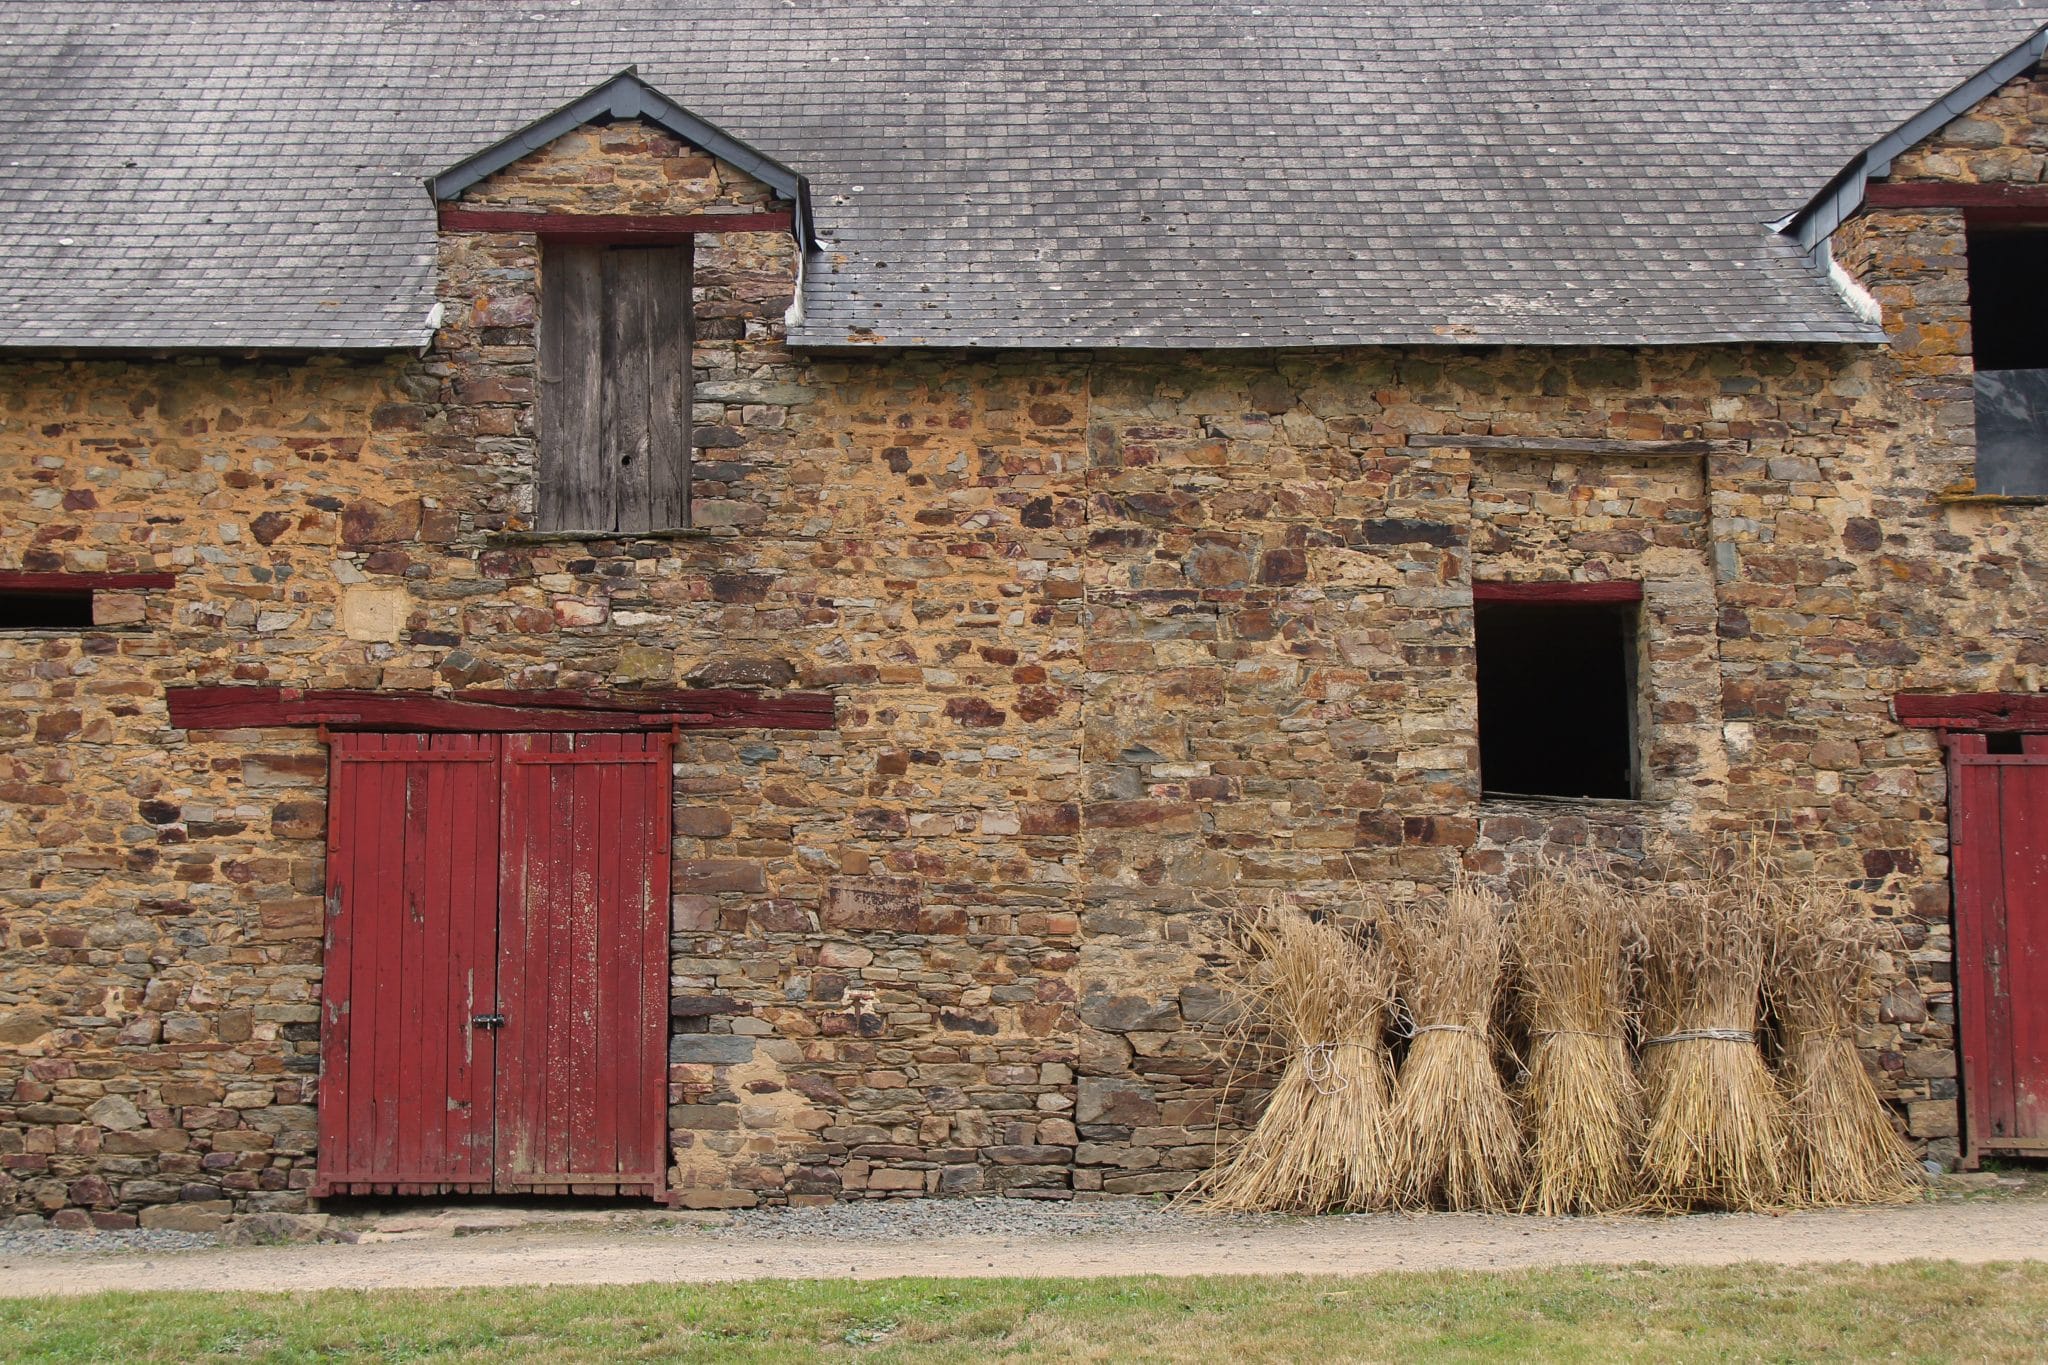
1106 1099
276 1229
117 1112
1129 1013
710 1049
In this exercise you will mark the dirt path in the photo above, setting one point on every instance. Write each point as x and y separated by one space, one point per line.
1969 1231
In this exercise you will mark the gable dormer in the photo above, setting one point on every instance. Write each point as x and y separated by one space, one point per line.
737 168
569 259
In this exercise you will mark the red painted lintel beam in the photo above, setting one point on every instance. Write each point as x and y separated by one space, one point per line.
613 227
1917 194
259 708
1972 710
17 581
1578 594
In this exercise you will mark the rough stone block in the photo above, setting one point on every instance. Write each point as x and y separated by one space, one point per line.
1110 1100
710 1049
212 1217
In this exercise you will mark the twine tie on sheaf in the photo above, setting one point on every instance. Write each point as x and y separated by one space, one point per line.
1574 1033
1319 1065
1703 1035
1421 1029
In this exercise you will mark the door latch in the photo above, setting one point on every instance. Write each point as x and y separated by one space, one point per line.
488 1021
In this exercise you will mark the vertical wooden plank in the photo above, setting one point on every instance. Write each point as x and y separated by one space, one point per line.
575 485
672 335
621 947
472 967
373 927
650 1150
456 936
513 991
628 355
393 816
580 1013
487 994
2003 830
599 1009
439 967
522 971
1977 856
337 942
2024 955
416 868
564 971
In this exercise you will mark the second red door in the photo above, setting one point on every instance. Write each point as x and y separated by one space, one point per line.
495 996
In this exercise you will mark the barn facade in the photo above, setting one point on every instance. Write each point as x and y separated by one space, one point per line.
606 602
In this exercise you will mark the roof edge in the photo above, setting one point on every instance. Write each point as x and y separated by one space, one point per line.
625 95
1837 200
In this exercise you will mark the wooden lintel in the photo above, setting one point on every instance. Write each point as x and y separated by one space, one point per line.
16 581
1561 593
1972 710
1576 448
1915 194
599 228
257 708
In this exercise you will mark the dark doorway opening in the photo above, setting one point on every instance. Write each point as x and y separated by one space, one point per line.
1557 699
2009 344
2008 282
46 610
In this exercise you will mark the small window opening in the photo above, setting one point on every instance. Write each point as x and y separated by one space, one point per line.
46 610
2004 742
2009 340
1557 707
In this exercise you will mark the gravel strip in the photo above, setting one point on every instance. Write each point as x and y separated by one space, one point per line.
902 1220
49 1241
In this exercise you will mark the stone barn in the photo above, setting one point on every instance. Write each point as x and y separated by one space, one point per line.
722 602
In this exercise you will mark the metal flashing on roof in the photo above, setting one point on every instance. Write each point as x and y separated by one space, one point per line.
626 96
1843 194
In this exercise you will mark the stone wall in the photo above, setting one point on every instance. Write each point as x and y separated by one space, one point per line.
1121 645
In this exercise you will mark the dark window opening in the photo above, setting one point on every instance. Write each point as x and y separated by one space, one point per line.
46 610
614 339
2005 742
2009 341
1557 707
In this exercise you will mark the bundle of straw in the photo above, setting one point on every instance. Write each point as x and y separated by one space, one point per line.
1452 1135
1716 1135
1573 950
1844 1149
1324 996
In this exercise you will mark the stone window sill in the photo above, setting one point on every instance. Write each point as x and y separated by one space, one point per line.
68 632
1966 498
1496 800
576 537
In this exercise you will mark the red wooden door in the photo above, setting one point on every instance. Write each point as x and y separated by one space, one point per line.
1999 848
406 1102
583 964
495 999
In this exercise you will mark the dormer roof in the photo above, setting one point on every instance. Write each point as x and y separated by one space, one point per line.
620 97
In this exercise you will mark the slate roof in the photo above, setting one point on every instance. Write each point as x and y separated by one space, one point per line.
247 174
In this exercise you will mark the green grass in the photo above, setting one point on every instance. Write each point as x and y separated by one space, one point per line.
1927 1311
